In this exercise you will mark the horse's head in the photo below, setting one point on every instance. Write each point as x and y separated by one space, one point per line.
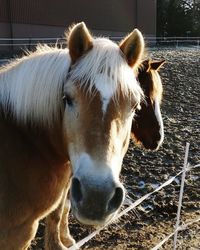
147 127
101 95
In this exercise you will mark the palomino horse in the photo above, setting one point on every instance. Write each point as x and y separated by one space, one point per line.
147 130
65 112
147 126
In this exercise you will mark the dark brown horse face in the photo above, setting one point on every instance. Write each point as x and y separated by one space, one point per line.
147 126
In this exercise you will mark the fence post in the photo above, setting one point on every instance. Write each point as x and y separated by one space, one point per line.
181 195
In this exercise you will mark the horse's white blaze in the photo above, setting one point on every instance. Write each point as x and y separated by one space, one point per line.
106 89
159 118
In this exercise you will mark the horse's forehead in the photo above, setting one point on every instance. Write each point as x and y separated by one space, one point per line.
104 100
147 82
157 89
99 126
106 88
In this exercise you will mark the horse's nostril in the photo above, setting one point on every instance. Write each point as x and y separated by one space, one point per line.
76 190
116 200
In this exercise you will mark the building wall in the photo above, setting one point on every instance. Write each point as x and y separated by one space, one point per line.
49 18
146 16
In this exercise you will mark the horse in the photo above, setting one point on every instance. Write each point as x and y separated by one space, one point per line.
147 126
147 130
65 122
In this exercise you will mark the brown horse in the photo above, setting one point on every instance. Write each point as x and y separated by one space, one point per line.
147 130
65 112
147 126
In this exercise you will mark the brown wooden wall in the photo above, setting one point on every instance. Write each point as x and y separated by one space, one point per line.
119 16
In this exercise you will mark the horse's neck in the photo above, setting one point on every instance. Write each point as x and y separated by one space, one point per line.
32 142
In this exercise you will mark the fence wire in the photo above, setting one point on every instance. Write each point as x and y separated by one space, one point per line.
136 203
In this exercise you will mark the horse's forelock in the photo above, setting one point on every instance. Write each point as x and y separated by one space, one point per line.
105 60
150 81
157 89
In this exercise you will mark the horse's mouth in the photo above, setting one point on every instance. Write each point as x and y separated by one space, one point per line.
93 220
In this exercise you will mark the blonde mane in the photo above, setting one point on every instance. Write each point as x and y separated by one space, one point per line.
31 87
157 90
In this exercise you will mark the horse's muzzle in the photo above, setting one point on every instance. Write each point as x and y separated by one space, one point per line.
94 201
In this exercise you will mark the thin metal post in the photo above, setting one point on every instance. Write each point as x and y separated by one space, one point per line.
181 194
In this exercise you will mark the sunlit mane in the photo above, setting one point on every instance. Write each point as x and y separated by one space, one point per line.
32 86
105 60
157 88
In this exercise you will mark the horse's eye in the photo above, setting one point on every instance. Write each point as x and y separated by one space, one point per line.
67 100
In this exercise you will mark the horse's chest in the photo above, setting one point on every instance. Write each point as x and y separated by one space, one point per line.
50 189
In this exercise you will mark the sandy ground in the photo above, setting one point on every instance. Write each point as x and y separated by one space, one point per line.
142 171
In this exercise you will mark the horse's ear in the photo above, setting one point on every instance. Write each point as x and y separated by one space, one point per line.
146 65
79 41
133 47
157 64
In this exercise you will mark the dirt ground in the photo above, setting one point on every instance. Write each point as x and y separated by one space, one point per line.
142 171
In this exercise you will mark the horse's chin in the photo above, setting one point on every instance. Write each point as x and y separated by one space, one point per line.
92 222
149 148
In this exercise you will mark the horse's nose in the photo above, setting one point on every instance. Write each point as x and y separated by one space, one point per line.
151 142
95 201
117 199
